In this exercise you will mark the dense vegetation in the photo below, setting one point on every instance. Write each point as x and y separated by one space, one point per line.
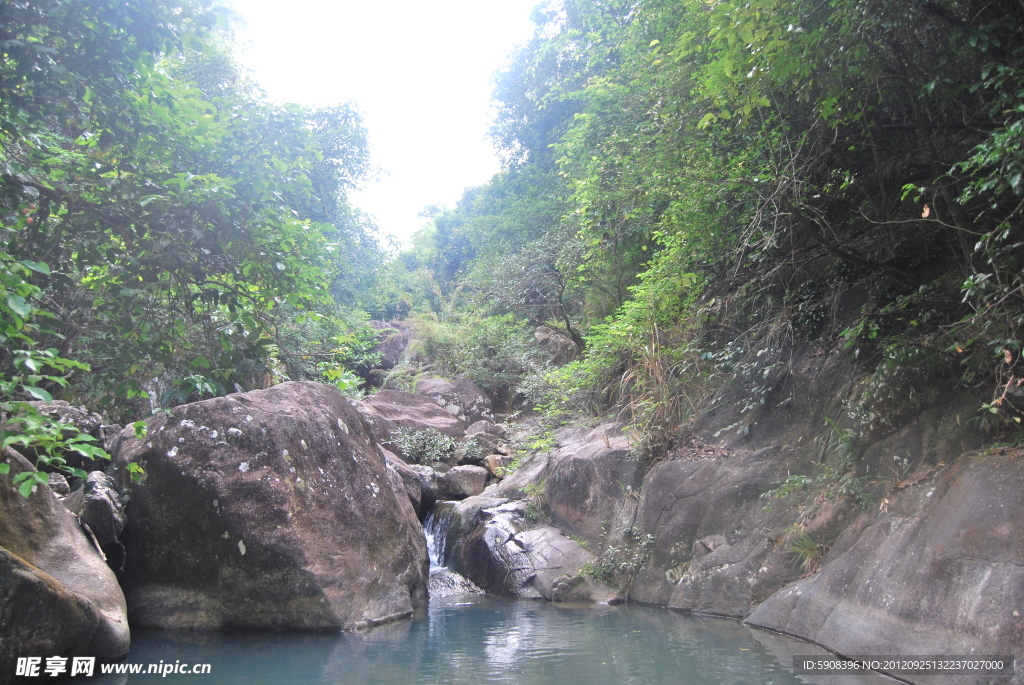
691 186
167 233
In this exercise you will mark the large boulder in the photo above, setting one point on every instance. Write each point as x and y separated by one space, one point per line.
713 546
269 509
57 594
559 347
940 571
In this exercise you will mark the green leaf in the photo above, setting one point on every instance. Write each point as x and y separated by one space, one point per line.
39 267
5 469
38 393
19 305
26 486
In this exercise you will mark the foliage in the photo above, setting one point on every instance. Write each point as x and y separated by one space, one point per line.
185 219
495 352
619 564
426 446
807 551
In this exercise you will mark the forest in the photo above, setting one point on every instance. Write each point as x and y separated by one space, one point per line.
689 187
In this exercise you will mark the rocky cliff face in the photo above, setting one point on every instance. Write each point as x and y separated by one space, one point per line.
899 539
269 509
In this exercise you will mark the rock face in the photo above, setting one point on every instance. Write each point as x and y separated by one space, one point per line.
269 509
940 572
57 595
589 483
711 553
394 339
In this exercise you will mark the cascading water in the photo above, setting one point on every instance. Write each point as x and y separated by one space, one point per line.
437 527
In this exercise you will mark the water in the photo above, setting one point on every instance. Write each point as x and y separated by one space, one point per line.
481 639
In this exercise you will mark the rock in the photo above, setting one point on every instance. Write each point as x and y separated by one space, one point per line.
496 464
394 339
941 571
57 594
476 447
81 419
444 394
711 551
59 484
503 553
588 482
560 348
389 410
475 404
97 504
462 481
268 509
463 398
420 483
484 426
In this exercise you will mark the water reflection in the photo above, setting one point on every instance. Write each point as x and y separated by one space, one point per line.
484 640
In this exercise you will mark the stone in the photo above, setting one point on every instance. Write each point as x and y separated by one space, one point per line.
59 484
589 480
444 394
394 338
272 509
57 594
476 405
939 571
462 481
559 347
97 504
496 464
420 482
484 426
477 446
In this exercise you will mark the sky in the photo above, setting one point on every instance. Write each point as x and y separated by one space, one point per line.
419 71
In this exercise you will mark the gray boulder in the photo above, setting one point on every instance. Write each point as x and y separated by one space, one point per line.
268 509
461 482
57 594
96 502
394 338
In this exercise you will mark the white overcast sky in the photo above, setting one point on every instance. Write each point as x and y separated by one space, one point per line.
419 71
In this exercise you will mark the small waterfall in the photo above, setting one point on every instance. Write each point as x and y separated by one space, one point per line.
444 582
437 528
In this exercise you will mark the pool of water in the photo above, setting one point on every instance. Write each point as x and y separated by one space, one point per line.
479 639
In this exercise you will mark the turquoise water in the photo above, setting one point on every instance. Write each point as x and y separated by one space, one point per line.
480 639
